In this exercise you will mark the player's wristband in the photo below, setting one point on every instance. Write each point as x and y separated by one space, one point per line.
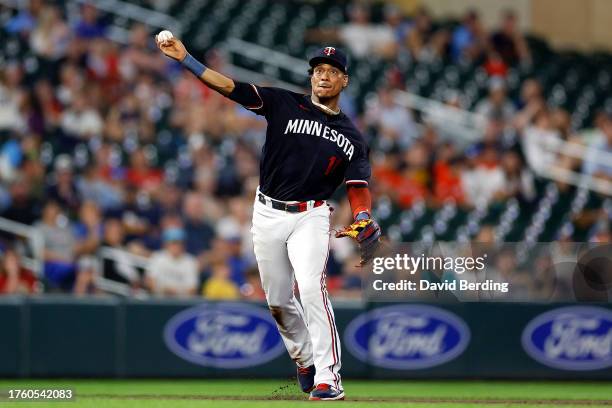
362 215
193 65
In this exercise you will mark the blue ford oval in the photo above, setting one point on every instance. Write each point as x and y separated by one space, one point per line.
224 335
571 338
407 337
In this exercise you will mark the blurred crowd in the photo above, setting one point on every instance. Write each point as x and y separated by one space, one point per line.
421 39
114 146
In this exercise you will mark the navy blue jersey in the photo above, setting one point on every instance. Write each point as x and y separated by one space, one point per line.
307 153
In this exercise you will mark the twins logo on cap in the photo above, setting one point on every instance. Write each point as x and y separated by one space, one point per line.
329 51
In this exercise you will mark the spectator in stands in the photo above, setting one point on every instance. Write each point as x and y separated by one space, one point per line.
199 231
394 19
169 198
531 93
173 272
102 65
81 121
141 174
517 179
413 183
11 156
394 123
496 103
23 206
219 286
139 55
469 40
508 42
88 229
531 103
494 65
72 83
59 255
92 186
598 162
89 26
62 187
229 246
362 38
11 96
50 107
51 36
14 279
424 41
252 289
447 175
25 21
482 178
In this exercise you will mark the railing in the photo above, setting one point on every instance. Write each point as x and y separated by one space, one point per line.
35 240
466 125
37 246
561 148
270 57
119 256
246 75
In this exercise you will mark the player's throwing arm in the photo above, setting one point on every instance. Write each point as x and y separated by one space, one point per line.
175 49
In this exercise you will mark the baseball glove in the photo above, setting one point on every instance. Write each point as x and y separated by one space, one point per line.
367 234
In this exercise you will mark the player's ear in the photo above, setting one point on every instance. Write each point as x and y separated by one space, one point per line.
345 81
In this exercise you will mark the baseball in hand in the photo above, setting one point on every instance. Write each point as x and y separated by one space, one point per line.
164 36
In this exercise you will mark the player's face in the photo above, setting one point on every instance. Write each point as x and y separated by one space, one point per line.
327 81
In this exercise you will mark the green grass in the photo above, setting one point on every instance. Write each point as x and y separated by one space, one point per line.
284 393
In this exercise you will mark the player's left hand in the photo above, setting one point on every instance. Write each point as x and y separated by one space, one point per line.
367 234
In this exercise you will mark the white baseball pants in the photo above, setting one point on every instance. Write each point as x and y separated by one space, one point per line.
293 248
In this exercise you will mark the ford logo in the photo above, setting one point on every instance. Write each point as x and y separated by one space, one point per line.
571 338
407 337
224 335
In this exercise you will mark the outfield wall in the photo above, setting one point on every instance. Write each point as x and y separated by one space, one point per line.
108 337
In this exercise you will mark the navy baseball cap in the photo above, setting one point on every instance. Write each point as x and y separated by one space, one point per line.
330 55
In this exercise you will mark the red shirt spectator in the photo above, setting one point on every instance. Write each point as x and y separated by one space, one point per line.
447 182
141 174
14 278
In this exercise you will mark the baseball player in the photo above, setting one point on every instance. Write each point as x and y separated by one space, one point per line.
311 148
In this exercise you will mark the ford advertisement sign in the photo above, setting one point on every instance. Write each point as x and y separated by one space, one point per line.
224 335
407 337
571 338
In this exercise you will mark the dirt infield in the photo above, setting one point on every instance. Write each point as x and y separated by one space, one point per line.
585 402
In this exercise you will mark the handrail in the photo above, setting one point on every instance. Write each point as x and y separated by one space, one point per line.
266 55
472 123
119 255
577 179
246 75
575 150
36 241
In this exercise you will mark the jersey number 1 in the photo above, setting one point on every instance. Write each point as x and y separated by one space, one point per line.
333 163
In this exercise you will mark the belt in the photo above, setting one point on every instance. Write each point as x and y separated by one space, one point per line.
294 207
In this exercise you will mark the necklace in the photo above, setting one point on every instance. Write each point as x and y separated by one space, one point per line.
325 108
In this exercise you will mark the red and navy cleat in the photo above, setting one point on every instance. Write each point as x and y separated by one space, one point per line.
325 392
305 376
